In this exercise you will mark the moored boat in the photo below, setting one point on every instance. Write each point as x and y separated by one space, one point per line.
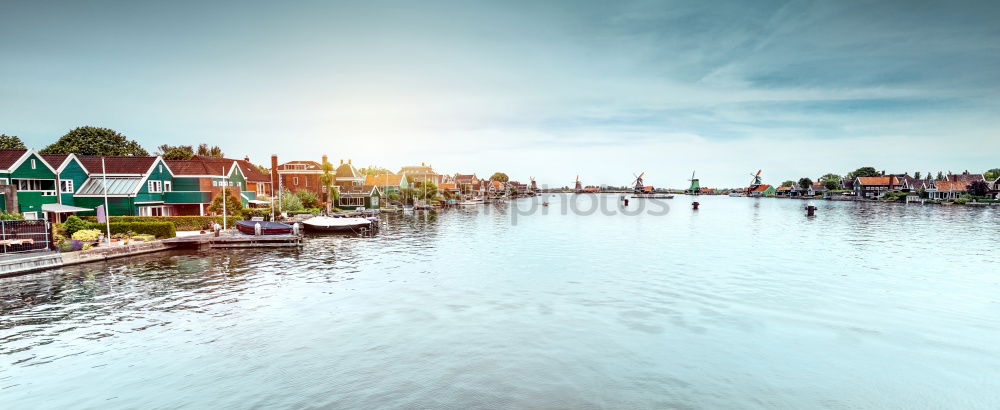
266 227
328 224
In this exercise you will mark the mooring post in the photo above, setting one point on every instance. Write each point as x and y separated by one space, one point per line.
626 201
810 210
694 205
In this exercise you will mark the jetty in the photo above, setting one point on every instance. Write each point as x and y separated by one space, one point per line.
237 240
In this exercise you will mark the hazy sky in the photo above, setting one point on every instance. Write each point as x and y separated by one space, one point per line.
537 88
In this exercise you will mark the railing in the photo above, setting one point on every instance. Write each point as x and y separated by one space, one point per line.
24 236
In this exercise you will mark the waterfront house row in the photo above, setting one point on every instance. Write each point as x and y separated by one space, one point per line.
352 188
951 187
32 184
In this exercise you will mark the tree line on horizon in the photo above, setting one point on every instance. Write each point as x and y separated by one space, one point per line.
833 181
88 140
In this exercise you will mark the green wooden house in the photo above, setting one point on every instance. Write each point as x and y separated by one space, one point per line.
134 186
28 181
197 182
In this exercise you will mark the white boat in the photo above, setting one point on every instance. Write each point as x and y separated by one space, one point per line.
328 224
469 203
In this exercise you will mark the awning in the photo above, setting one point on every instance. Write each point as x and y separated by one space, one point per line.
258 202
61 209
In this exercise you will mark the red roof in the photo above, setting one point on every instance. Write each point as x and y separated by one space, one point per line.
117 164
202 165
877 181
55 160
951 185
760 188
784 188
9 156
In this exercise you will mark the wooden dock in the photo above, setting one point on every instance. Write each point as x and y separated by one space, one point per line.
237 240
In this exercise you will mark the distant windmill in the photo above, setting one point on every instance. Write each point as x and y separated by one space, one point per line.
756 179
695 186
579 186
638 181
534 186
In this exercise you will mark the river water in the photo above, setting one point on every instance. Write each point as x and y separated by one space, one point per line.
745 303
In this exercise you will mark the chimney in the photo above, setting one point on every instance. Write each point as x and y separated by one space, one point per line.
341 162
324 159
274 173
348 161
246 158
421 164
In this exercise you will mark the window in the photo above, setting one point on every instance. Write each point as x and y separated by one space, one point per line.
154 211
30 215
32 163
36 185
295 180
155 186
352 201
307 182
167 186
66 186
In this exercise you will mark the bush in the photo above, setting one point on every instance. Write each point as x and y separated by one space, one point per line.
291 203
157 229
143 237
308 199
248 213
71 246
181 223
13 216
86 235
73 224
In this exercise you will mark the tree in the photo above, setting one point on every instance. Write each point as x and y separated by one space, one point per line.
233 204
179 152
374 170
916 175
426 189
864 172
326 180
308 198
500 176
290 202
206 151
979 188
95 141
940 176
990 175
11 142
830 181
805 183
788 183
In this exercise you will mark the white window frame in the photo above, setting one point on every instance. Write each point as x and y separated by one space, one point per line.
34 185
295 181
33 164
167 186
154 186
66 186
30 216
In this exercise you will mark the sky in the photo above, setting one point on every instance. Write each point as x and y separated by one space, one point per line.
544 89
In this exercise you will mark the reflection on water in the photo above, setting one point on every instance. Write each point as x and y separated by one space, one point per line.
742 303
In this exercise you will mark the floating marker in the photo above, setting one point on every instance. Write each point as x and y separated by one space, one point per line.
694 205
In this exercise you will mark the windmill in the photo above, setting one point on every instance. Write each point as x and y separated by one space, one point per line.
756 179
695 186
638 182
534 186
579 186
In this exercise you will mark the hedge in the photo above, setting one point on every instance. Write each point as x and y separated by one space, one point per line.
157 229
181 223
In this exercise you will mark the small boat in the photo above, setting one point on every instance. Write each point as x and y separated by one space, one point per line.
469 203
266 227
546 203
328 224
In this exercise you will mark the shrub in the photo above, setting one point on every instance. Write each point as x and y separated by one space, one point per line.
308 198
291 203
157 229
71 246
181 223
86 235
143 237
73 224
248 213
13 216
233 203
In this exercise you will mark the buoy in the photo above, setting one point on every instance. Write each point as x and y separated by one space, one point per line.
810 210
694 205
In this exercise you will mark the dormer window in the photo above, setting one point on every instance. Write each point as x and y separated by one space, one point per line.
32 163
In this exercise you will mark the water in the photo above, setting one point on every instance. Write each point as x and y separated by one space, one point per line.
746 303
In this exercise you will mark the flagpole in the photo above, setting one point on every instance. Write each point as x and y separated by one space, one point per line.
224 197
104 185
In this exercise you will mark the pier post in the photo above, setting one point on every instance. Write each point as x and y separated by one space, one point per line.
810 210
694 205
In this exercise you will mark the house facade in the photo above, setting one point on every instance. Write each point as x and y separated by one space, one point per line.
418 173
134 186
762 190
875 187
197 182
28 182
296 176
